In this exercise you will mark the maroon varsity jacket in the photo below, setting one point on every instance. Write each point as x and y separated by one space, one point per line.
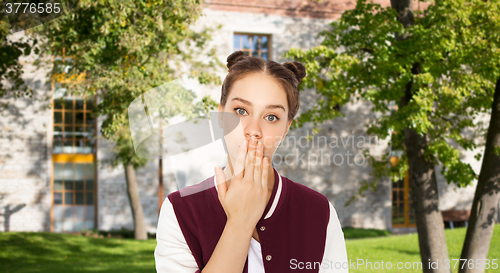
297 230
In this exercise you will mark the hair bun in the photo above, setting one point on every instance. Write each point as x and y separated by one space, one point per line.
234 58
298 69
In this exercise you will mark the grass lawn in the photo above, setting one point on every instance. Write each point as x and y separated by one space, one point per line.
359 233
53 252
404 248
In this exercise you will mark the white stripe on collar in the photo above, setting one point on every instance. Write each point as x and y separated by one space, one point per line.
276 197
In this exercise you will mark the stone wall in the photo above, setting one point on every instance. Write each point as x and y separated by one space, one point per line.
25 161
451 196
114 211
325 9
25 143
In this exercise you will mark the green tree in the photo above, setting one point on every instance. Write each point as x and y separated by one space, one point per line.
440 67
120 50
477 34
11 69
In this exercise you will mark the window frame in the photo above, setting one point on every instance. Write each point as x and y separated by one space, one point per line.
406 199
72 158
250 36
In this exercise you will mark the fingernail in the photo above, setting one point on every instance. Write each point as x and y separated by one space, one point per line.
216 169
265 160
254 140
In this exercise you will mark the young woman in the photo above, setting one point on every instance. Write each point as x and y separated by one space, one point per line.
251 219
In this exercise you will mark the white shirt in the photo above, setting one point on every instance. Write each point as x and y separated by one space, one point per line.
172 253
255 262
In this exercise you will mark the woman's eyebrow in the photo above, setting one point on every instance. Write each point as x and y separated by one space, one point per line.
275 106
270 106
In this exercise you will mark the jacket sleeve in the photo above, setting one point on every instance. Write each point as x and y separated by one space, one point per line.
335 255
172 253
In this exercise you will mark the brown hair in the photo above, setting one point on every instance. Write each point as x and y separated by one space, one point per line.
289 75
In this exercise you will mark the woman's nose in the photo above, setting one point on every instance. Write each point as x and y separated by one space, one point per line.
253 130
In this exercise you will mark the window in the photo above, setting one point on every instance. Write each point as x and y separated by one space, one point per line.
74 196
73 156
255 45
74 127
403 212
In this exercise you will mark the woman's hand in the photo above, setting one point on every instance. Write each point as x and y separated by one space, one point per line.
246 201
244 205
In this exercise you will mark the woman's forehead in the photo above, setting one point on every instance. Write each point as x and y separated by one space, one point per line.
258 90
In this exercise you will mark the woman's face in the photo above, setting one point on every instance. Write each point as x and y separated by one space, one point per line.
261 105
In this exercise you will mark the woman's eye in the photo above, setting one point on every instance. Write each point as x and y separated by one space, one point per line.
240 111
272 118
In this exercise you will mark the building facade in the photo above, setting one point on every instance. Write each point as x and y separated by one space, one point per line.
52 156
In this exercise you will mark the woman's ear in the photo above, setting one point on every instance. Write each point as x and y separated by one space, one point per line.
220 116
286 130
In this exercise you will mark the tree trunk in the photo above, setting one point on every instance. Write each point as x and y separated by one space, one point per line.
484 206
423 182
135 203
424 191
